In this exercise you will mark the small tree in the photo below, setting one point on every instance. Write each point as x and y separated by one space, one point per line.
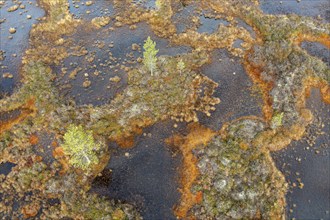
80 146
158 4
277 120
180 66
149 55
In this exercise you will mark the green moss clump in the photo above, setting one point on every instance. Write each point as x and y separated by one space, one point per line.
81 147
277 120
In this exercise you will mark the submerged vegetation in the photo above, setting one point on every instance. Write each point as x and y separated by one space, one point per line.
226 174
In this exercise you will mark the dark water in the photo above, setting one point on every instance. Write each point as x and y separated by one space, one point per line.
317 50
312 165
234 91
5 168
182 19
15 48
149 4
99 8
5 116
210 25
146 175
311 8
44 147
121 39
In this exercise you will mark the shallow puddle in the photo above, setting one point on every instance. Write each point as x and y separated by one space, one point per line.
309 165
210 25
312 8
14 45
183 18
87 9
234 90
5 168
318 50
5 116
146 175
149 4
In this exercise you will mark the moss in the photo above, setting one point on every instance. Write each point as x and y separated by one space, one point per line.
30 177
277 120
91 206
233 168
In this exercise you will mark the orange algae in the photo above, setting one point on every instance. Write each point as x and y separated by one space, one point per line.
125 139
30 210
311 82
25 111
58 154
254 73
198 135
34 139
322 39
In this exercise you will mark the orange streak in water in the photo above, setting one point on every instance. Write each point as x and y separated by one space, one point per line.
26 110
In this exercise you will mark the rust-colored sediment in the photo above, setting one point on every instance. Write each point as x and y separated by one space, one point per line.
322 39
26 110
278 139
125 142
34 139
125 138
58 153
254 73
312 82
30 210
197 136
